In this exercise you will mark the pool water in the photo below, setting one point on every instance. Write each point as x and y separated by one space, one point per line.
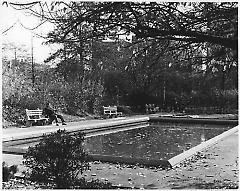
158 141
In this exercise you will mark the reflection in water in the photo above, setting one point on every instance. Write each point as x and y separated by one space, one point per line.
162 141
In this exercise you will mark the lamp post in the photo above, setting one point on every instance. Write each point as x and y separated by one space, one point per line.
164 86
33 75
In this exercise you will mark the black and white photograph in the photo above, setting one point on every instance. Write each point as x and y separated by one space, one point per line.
119 95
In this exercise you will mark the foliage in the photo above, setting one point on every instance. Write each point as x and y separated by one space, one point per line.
18 93
195 22
72 97
8 172
16 78
183 25
58 158
175 55
14 107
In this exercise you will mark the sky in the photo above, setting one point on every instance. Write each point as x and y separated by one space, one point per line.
19 35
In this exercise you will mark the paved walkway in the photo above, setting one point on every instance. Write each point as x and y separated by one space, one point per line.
214 167
13 131
36 131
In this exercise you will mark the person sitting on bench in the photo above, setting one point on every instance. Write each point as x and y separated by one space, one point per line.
52 115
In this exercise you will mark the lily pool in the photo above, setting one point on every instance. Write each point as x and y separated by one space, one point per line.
157 141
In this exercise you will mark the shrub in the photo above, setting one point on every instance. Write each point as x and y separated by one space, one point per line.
58 159
14 107
8 172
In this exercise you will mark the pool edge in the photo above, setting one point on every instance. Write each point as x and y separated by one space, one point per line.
187 154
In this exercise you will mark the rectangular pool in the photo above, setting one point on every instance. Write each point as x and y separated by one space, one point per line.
158 141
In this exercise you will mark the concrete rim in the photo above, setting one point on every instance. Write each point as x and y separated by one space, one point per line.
105 124
187 154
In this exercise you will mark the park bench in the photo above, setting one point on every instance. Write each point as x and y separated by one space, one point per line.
35 116
151 108
111 111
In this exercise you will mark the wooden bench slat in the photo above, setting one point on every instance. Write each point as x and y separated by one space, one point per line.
34 113
111 110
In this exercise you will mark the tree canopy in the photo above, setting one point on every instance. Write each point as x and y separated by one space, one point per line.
133 53
196 22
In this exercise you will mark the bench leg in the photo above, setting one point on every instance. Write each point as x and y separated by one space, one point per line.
28 123
45 122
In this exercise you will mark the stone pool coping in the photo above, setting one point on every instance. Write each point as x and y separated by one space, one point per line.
187 154
174 160
18 138
220 161
38 131
11 140
190 120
